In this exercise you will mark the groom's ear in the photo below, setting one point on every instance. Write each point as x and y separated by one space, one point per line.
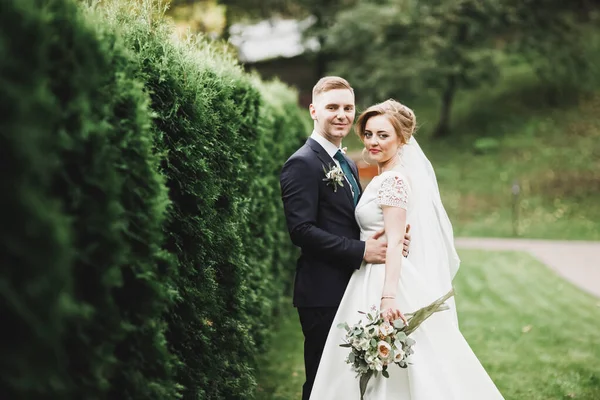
313 111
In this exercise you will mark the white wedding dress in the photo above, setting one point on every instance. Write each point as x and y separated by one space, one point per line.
443 365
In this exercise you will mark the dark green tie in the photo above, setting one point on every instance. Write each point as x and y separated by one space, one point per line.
346 168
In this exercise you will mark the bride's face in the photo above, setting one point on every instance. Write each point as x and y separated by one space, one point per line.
380 139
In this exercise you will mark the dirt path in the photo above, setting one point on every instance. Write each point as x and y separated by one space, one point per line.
576 261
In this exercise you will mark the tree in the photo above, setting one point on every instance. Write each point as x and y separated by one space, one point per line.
550 34
324 14
256 10
408 46
402 48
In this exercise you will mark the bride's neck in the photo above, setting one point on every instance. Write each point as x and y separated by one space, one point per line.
389 164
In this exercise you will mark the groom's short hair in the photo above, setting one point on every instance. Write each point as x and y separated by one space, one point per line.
328 83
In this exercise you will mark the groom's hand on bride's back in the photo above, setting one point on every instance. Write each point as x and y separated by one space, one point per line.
406 243
375 248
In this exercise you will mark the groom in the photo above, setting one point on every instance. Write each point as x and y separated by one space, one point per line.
320 189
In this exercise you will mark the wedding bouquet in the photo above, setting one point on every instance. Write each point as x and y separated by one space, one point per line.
376 343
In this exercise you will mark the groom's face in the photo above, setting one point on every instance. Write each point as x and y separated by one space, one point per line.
333 112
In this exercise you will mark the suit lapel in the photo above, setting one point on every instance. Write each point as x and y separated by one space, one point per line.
328 162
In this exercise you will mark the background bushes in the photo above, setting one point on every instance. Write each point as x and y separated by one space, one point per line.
144 250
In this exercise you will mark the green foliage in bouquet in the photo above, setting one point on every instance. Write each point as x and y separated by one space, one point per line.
82 208
376 344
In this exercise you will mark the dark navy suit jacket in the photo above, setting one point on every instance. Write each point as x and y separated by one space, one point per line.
321 222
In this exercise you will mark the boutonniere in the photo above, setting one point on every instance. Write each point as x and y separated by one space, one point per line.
335 177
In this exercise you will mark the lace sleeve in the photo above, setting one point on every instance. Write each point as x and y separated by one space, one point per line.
393 192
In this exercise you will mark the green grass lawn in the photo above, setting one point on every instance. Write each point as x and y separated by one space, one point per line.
553 156
536 334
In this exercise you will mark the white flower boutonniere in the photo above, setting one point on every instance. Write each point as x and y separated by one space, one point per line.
335 177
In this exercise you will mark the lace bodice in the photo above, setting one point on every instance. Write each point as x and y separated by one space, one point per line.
388 189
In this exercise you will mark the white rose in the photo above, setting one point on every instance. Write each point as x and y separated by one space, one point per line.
384 349
399 355
364 344
360 343
386 328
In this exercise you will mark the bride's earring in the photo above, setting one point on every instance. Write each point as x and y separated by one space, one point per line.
362 155
399 155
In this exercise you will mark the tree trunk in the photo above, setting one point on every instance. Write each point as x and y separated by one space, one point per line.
443 126
321 60
228 18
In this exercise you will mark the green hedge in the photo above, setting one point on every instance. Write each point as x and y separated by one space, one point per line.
35 256
83 247
115 289
269 251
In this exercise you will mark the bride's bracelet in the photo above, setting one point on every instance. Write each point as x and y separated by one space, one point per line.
388 297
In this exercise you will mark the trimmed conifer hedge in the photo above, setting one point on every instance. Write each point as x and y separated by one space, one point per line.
143 244
86 205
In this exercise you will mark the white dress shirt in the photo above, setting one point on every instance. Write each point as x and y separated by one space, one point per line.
331 149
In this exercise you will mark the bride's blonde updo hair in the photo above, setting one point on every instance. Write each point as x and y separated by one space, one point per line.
400 116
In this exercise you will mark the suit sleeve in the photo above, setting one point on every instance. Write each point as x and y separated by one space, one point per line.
300 195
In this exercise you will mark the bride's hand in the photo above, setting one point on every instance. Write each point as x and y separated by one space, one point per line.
390 311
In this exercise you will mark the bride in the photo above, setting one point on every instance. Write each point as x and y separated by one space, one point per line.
443 366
